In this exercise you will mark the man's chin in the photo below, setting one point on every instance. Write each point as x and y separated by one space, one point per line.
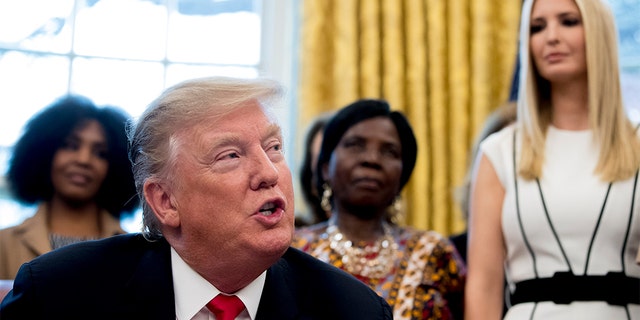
275 247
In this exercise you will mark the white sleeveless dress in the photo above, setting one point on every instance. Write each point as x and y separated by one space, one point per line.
574 198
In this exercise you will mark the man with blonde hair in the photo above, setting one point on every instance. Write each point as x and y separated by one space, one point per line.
218 219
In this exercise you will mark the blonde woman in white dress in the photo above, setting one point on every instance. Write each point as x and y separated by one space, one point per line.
555 202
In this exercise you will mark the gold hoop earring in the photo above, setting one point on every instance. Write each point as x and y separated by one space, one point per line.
325 203
394 212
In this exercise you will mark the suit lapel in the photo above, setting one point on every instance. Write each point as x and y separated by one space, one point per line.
34 232
278 296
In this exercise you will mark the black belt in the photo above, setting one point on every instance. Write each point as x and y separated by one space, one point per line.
564 287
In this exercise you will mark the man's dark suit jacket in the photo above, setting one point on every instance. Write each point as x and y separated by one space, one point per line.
128 277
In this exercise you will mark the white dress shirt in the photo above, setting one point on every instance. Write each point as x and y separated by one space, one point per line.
192 293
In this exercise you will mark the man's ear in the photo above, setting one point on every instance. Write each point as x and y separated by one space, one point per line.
162 203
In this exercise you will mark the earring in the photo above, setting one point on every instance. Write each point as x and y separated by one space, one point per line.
325 203
394 212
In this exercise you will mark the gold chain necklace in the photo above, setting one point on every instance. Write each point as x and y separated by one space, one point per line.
370 261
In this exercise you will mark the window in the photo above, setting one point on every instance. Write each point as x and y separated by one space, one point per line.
125 52
627 13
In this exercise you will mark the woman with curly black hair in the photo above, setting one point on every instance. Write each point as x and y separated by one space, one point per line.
71 161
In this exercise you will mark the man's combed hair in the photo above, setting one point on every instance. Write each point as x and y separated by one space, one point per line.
155 139
29 174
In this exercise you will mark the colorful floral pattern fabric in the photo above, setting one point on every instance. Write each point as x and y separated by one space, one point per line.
427 278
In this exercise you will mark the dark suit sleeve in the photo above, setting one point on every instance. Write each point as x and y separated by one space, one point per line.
20 302
121 277
386 309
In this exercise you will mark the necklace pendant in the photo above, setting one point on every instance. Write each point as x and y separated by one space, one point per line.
369 260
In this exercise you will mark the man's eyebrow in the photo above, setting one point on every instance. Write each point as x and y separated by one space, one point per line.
225 140
273 130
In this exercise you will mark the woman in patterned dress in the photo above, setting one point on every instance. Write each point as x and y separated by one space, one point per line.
367 155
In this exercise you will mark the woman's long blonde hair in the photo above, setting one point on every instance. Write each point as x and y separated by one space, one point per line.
612 130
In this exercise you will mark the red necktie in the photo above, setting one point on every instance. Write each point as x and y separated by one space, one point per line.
225 307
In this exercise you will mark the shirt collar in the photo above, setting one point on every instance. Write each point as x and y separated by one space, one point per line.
192 292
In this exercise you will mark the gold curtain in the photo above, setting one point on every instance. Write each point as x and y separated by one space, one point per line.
445 63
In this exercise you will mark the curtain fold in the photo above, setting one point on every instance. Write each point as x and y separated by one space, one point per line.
445 63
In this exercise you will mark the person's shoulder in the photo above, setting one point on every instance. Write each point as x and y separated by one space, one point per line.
427 239
504 135
319 274
78 278
498 148
408 232
112 259
116 242
8 231
297 259
10 235
336 294
35 223
87 254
